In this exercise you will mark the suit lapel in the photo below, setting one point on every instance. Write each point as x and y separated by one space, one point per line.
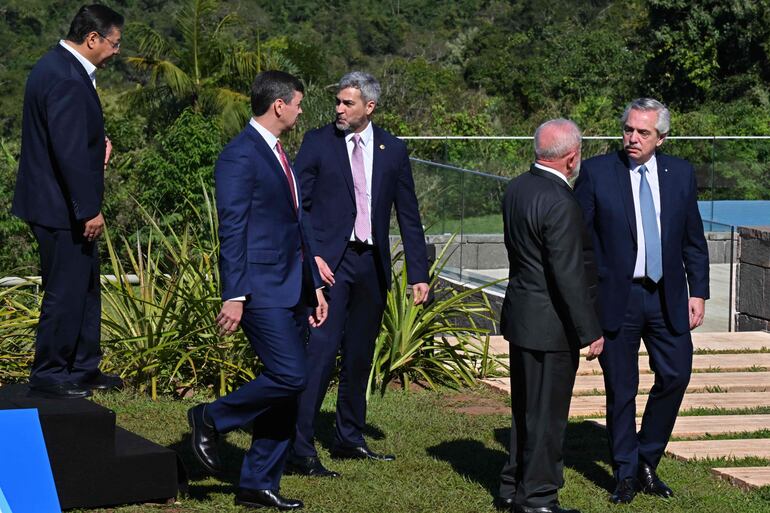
627 196
341 149
267 154
81 71
378 163
666 195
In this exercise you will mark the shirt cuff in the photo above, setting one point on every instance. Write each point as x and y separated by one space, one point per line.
239 298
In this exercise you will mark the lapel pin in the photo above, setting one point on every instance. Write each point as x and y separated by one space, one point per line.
382 146
665 170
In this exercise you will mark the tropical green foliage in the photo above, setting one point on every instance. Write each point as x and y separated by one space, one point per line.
180 86
440 343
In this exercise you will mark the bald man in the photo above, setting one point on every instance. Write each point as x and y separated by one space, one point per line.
547 316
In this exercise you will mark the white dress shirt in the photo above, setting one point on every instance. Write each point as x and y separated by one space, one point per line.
636 180
89 67
552 171
367 144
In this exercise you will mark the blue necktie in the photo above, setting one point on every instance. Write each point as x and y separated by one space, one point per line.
652 250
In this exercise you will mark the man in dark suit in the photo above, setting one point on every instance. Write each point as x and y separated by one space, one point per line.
59 191
268 283
547 315
352 173
640 207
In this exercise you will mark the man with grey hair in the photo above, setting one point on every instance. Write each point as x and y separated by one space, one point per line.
640 207
352 173
547 316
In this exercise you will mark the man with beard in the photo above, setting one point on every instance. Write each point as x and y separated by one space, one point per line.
640 207
547 316
352 173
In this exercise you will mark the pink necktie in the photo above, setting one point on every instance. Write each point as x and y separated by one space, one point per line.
287 171
363 228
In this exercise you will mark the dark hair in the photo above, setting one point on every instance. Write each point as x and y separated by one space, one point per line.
93 18
271 85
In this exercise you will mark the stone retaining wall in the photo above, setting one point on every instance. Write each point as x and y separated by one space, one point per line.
753 287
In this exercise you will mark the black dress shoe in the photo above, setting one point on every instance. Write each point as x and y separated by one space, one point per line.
625 491
307 466
204 439
503 504
358 452
103 382
650 483
265 499
62 390
517 508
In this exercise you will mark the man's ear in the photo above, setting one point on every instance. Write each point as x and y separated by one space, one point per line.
370 105
660 140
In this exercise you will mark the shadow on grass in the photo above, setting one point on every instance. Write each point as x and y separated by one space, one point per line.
324 430
585 450
473 460
232 457
585 447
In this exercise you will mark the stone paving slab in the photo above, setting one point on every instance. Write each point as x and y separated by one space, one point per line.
745 477
595 404
700 362
701 449
699 381
713 341
693 426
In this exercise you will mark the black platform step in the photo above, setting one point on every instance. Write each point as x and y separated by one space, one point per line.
95 463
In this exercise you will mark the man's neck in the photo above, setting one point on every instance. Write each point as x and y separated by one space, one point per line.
269 123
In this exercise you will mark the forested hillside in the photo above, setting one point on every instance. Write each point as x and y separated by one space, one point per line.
466 67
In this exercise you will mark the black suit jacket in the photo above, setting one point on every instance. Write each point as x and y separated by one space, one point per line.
328 198
547 304
61 168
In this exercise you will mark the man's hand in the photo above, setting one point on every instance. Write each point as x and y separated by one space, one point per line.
229 317
107 151
326 274
595 348
94 227
319 314
697 311
420 293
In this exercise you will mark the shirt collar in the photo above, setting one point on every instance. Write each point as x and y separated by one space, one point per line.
366 135
89 67
266 134
552 171
652 165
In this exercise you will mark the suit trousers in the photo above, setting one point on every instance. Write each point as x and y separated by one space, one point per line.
541 390
277 336
356 303
68 333
670 357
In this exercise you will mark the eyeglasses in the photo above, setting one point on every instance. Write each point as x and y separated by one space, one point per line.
115 46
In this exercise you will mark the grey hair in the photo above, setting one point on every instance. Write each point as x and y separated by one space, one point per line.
567 140
364 82
662 125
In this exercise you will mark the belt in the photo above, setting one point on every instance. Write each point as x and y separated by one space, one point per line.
359 246
645 282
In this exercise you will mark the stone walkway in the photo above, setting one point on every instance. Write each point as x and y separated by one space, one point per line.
731 372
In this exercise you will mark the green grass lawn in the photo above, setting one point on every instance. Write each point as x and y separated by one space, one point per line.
490 224
450 447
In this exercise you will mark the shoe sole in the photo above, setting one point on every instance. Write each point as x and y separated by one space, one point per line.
257 505
198 457
49 395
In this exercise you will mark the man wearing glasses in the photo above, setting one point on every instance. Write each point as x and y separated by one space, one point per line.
59 191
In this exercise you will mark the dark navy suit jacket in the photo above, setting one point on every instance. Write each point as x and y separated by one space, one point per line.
328 198
61 168
603 190
262 245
